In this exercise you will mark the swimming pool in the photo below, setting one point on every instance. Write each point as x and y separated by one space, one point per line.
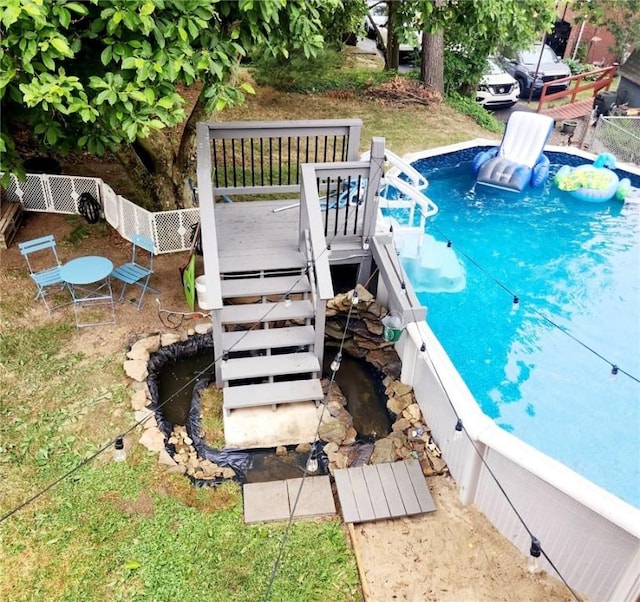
574 264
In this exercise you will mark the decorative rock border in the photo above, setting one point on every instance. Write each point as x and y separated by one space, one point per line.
410 436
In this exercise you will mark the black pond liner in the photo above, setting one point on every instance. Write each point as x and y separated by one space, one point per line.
237 459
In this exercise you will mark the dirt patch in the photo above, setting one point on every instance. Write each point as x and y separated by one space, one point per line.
76 238
453 554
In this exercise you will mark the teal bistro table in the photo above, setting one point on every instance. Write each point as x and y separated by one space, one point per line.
90 285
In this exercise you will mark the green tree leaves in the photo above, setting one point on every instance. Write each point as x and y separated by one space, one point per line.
474 29
97 74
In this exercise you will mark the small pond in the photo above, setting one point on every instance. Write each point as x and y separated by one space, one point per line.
178 376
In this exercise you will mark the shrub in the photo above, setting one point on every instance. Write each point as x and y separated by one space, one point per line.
577 67
323 73
468 106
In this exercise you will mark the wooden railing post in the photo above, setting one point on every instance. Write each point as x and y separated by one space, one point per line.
209 238
373 187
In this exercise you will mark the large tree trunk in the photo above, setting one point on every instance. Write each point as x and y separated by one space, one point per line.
186 157
161 170
432 65
392 50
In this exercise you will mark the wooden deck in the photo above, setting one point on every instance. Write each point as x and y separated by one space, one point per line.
574 110
250 233
380 491
252 236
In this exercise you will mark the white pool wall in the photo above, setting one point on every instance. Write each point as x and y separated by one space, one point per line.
590 535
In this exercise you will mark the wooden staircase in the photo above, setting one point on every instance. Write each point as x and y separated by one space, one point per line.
268 334
267 261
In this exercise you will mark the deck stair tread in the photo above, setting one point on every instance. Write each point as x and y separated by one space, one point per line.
262 261
247 396
268 338
269 365
266 312
239 287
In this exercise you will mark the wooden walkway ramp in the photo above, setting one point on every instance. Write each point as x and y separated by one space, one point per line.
574 110
379 491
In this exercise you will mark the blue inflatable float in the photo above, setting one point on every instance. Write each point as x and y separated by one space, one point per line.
593 183
519 161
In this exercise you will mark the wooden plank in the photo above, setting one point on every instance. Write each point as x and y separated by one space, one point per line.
257 261
265 312
409 499
582 108
391 492
269 365
9 224
420 486
376 491
403 300
346 496
249 396
245 287
361 494
268 338
366 590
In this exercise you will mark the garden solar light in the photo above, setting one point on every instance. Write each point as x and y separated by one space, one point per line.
354 298
458 432
312 462
335 364
534 551
119 453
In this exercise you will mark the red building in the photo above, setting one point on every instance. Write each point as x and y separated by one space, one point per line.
576 39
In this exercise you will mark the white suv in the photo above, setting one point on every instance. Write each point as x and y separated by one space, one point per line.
497 89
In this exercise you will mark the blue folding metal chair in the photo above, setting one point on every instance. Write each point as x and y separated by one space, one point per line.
138 271
41 271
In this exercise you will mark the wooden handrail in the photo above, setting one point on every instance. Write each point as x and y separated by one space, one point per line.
604 79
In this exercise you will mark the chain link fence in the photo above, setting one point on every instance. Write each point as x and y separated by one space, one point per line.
619 136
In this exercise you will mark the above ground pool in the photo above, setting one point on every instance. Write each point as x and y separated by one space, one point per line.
544 370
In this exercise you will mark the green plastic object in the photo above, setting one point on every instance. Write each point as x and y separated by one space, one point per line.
189 282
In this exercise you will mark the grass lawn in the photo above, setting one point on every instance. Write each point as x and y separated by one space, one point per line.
132 531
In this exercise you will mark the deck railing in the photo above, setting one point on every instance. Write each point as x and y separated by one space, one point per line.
264 157
246 159
602 80
338 208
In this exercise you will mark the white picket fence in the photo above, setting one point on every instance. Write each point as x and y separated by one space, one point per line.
170 230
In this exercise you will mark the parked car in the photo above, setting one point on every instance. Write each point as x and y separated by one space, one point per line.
408 50
497 89
522 64
377 14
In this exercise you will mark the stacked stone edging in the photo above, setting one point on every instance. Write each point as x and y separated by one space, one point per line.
410 436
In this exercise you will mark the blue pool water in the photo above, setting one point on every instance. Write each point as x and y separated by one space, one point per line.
575 263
